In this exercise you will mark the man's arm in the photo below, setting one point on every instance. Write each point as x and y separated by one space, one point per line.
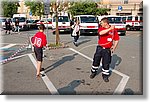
106 30
114 46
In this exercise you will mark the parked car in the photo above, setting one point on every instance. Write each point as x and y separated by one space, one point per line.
63 24
2 23
22 21
134 22
88 24
32 24
46 22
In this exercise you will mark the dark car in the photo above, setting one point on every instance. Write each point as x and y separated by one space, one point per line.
32 24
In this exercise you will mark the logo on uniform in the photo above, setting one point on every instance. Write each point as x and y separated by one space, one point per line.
111 33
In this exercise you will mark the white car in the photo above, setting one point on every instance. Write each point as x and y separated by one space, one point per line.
63 24
47 22
88 24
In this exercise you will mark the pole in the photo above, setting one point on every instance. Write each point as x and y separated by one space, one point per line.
47 29
57 32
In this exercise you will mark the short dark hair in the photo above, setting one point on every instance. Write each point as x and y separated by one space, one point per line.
105 20
41 27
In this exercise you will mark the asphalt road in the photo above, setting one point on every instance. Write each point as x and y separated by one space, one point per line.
67 70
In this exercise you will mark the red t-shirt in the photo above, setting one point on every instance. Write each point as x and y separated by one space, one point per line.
40 39
106 40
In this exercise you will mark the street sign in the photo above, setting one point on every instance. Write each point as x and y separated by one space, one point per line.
46 7
119 8
30 13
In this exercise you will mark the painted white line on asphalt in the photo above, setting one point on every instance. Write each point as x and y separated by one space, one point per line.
15 43
87 46
45 78
123 81
1 80
8 46
121 85
15 57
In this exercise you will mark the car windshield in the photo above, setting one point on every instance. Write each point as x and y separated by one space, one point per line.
88 19
21 19
2 20
62 19
115 20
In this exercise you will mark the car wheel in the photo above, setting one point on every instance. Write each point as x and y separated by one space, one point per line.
128 28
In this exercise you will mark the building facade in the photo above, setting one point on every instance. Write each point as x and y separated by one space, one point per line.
123 7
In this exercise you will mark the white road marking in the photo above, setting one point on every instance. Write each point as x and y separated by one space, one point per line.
87 46
45 78
123 81
7 46
1 80
15 57
15 43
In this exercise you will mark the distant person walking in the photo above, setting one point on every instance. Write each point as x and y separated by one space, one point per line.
39 41
76 32
8 25
17 26
107 43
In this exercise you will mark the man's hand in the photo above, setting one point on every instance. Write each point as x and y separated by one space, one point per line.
112 49
112 27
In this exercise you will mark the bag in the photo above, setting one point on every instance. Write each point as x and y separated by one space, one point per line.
75 31
32 40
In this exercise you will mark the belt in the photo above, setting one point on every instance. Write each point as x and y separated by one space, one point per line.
103 47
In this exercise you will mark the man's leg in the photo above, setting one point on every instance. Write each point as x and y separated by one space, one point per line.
75 40
39 65
106 56
96 62
18 30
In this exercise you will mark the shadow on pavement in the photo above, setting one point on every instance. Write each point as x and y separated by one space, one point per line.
115 61
128 91
60 62
70 88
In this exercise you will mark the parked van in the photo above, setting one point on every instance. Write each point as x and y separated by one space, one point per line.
63 24
134 22
88 24
46 21
22 21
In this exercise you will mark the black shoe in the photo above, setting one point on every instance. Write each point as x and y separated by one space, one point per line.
75 43
105 78
42 69
92 75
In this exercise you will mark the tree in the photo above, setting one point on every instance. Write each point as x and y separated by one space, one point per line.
36 7
81 8
9 7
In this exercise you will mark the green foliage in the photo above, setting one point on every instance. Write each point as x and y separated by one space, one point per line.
9 7
36 7
85 8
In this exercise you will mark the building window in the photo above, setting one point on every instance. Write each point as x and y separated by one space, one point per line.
125 1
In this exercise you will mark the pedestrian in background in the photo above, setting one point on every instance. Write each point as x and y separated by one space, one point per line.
8 25
76 32
107 43
39 41
17 26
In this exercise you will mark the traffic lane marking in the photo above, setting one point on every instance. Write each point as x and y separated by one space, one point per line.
14 58
7 46
15 43
123 81
45 78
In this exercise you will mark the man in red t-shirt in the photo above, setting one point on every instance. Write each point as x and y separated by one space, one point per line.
39 41
107 43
